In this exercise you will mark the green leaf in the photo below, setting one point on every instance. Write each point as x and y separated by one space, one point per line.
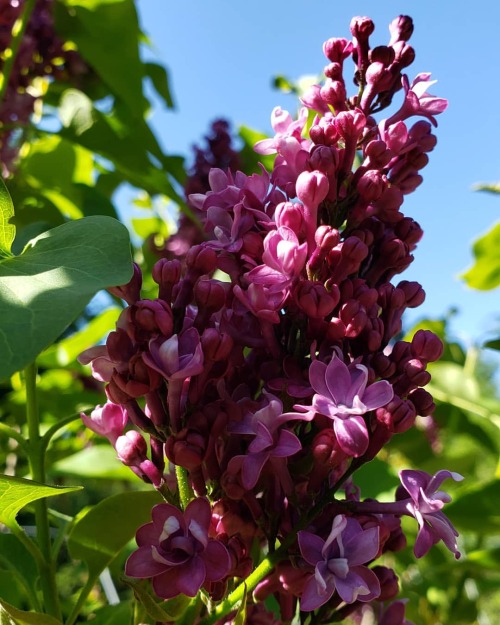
488 186
485 558
376 477
250 159
43 290
97 462
118 614
477 510
16 492
494 344
100 535
485 273
7 230
67 350
159 611
9 615
106 33
159 77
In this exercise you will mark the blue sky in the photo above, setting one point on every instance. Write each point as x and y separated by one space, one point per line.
223 54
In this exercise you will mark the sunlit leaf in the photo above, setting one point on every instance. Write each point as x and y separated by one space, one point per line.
43 290
493 344
485 273
97 462
16 493
99 535
250 159
7 230
159 78
67 350
488 186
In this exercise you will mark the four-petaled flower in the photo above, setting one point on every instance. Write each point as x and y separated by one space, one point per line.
175 551
427 502
338 563
342 395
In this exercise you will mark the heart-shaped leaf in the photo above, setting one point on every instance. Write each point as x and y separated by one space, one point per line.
7 230
43 290
16 492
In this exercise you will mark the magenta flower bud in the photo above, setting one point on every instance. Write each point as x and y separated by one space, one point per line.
186 449
326 237
354 249
326 450
382 54
315 300
401 29
324 159
291 215
108 420
423 402
329 134
354 317
336 330
416 373
312 188
398 415
405 54
421 133
153 316
131 448
383 366
378 77
409 231
114 392
131 291
337 49
201 259
166 273
210 294
333 71
216 345
362 28
426 346
371 185
389 586
333 92
377 153
119 345
350 124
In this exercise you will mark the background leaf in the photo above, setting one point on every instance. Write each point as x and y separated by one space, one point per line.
43 290
485 273
9 615
7 230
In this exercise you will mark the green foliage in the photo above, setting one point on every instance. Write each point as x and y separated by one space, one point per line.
43 290
485 273
10 615
7 230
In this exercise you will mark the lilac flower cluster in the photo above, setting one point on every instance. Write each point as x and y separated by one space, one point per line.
267 370
41 54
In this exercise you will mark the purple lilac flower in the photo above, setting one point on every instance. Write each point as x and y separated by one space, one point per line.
175 551
108 420
342 395
338 563
394 614
426 508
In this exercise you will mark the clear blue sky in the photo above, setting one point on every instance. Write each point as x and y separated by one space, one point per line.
222 55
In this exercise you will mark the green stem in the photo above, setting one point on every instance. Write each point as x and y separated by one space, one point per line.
46 438
85 592
18 31
11 433
36 452
185 491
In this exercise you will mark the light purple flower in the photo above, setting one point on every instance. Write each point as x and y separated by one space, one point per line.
418 102
175 551
108 420
284 126
342 395
178 357
426 505
338 563
270 442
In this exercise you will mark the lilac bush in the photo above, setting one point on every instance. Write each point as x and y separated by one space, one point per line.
269 368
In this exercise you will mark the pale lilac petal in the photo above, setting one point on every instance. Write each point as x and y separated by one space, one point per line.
338 526
444 530
377 395
359 378
354 587
338 380
310 547
439 478
312 597
288 445
263 439
362 546
217 561
413 481
251 469
352 435
426 538
317 375
141 564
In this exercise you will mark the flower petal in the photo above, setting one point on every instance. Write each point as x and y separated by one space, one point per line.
141 564
377 395
312 597
351 434
217 561
310 547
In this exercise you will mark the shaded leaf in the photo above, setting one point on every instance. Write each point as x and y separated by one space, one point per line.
102 532
16 493
249 158
158 610
485 273
98 462
9 615
494 344
477 510
43 290
7 230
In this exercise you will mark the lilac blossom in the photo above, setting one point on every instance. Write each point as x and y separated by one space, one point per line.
176 552
338 563
342 395
426 505
108 420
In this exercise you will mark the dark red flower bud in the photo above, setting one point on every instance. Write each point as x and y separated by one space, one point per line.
216 345
371 185
362 28
324 159
378 153
210 294
389 586
131 291
423 402
401 28
337 49
398 415
186 449
201 259
382 54
414 293
426 346
166 273
315 300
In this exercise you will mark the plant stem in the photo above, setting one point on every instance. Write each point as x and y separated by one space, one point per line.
36 453
17 36
11 433
185 490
